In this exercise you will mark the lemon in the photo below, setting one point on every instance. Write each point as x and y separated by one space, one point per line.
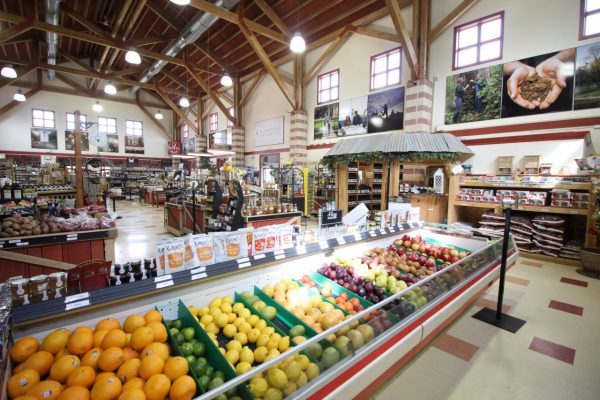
203 311
229 330
231 317
216 302
212 328
273 343
303 360
241 337
277 378
253 335
222 350
299 339
262 340
233 356
260 354
227 300
193 310
272 354
245 328
244 313
268 289
283 344
239 321
225 307
260 324
243 367
276 335
259 306
273 394
253 319
215 312
290 388
222 320
258 387
302 379
234 345
269 330
237 307
207 319
246 355
292 370
312 371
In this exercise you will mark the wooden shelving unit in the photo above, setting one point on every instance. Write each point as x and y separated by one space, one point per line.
361 183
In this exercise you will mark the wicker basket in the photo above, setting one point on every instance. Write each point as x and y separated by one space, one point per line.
590 259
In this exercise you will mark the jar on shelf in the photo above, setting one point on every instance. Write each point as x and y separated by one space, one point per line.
57 280
38 283
19 287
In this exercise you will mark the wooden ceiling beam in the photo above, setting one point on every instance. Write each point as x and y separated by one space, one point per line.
234 18
117 26
226 97
450 19
363 30
15 30
86 23
326 56
156 122
152 40
424 25
405 39
128 71
76 60
74 85
21 72
206 88
269 12
177 110
248 92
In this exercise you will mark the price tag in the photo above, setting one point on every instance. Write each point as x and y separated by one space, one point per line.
259 256
301 250
23 244
243 260
77 304
163 278
72 236
14 241
372 233
323 245
279 256
393 229
357 236
244 265
277 253
199 276
341 241
197 270
76 297
164 284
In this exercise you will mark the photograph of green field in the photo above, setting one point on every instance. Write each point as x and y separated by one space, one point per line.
587 77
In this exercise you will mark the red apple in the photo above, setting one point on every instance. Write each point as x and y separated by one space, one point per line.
407 244
415 246
422 248
454 253
446 257
454 259
430 263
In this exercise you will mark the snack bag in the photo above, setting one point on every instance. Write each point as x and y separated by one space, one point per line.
175 256
191 259
259 241
160 256
219 246
249 234
204 249
286 236
272 239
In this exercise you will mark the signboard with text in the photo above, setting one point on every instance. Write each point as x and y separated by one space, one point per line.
268 132
174 148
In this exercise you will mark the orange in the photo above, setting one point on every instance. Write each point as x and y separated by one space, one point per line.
153 316
128 339
160 332
21 383
55 341
108 324
111 359
134 383
129 370
82 376
129 353
184 388
150 366
80 342
18 368
62 368
133 322
46 390
107 388
26 397
141 337
115 338
84 329
63 352
23 348
99 337
176 367
157 387
75 393
133 394
103 375
160 349
91 357
41 361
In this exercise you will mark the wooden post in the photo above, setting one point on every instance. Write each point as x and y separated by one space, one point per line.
299 84
78 164
237 101
341 184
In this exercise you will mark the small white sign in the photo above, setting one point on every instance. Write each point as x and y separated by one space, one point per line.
268 132
77 304
244 265
162 278
164 284
199 276
259 256
76 297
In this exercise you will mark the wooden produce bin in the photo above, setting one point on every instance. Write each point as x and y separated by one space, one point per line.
174 218
256 221
67 247
433 207
188 222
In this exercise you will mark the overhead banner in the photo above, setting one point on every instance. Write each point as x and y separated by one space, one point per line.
268 132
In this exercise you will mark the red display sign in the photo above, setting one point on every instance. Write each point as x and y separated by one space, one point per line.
174 148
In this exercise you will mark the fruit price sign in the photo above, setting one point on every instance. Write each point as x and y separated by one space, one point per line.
329 218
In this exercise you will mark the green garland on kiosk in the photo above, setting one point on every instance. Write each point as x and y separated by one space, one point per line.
412 157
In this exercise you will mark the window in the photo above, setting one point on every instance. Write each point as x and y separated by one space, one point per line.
223 138
107 125
328 87
70 123
231 113
385 69
478 41
185 131
213 122
133 128
589 25
42 118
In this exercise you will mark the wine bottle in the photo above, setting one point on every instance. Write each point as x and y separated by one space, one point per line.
6 191
17 191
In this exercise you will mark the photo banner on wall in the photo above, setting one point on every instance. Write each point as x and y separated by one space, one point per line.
587 77
353 116
134 144
112 144
70 140
386 110
326 121
268 132
188 145
44 138
474 95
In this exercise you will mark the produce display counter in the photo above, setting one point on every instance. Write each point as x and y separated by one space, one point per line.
256 221
188 224
179 220
174 218
68 247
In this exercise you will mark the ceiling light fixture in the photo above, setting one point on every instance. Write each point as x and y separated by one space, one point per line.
19 96
184 102
133 57
109 88
8 71
297 44
97 106
158 115
181 2
226 80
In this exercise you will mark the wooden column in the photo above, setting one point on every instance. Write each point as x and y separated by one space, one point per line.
78 161
341 185
385 190
237 101
394 177
299 85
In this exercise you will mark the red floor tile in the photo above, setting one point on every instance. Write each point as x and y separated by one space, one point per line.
574 282
518 281
534 264
492 305
456 347
554 350
566 307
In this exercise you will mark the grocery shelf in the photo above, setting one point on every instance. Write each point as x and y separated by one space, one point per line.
498 185
54 238
542 209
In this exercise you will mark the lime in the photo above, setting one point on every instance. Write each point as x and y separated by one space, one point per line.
174 331
193 341
202 360
199 367
204 380
215 382
187 349
199 349
177 324
190 359
222 396
231 392
209 371
168 323
188 334
219 374
179 339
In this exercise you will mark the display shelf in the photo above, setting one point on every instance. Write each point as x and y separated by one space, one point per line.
541 209
497 185
55 238
546 258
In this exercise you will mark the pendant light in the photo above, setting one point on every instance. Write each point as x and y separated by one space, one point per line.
8 71
97 106
133 57
109 88
19 96
184 102
297 44
181 2
226 80
158 115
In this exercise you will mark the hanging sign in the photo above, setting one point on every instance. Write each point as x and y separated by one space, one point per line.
174 148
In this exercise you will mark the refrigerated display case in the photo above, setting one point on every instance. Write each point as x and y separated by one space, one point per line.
401 324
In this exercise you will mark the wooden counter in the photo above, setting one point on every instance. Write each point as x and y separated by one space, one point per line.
256 221
174 218
433 207
179 219
188 224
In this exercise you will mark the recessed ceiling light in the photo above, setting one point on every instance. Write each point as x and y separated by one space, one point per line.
297 44
133 57
184 102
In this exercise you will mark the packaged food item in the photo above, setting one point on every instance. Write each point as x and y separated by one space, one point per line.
160 257
286 236
204 249
259 239
119 269
20 300
38 297
19 286
191 258
57 280
272 242
135 266
175 256
38 283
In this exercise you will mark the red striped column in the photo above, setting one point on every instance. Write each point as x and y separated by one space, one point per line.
417 106
299 136
238 134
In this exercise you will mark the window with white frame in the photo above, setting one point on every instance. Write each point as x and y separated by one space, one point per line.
328 86
386 69
230 117
589 25
133 128
478 41
213 122
42 118
107 125
70 122
223 138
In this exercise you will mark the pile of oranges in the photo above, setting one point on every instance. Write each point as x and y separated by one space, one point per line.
110 362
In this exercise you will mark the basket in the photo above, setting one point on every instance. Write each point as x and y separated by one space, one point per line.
590 259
